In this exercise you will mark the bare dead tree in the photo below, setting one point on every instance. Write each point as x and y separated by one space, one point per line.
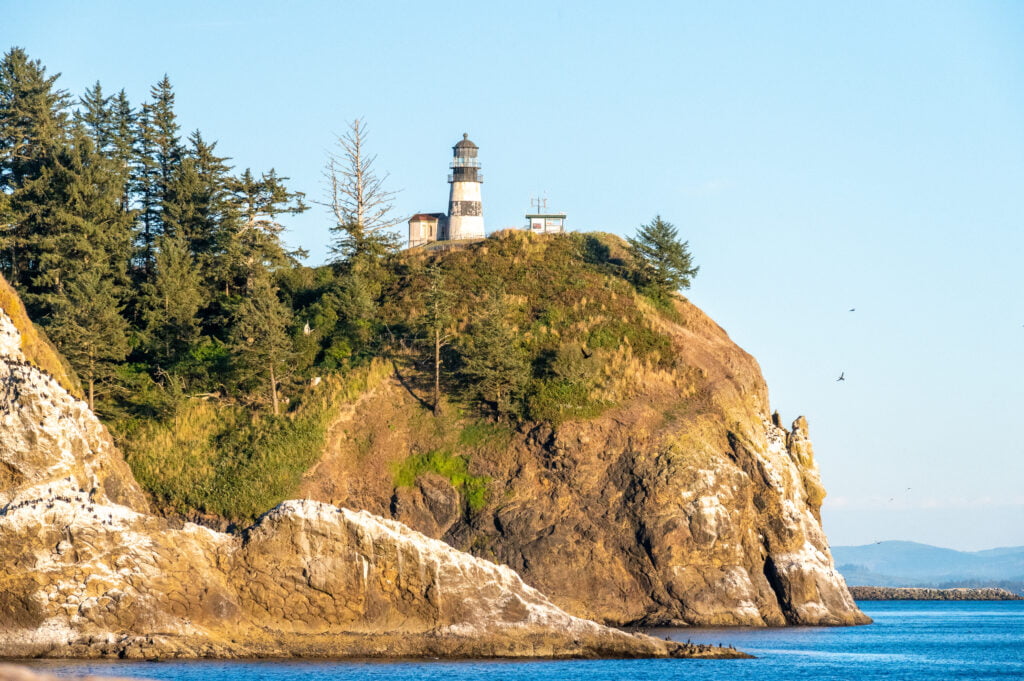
362 207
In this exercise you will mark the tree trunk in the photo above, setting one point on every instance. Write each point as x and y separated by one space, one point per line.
273 390
92 381
437 371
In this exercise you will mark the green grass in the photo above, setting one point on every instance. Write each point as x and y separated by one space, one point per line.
558 400
563 291
231 461
472 488
484 434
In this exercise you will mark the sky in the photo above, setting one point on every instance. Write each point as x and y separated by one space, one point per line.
818 157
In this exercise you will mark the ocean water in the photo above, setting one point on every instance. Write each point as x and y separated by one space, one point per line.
922 641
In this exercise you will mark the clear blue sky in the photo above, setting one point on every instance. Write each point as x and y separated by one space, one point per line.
818 157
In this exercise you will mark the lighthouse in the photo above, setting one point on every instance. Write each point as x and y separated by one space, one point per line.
465 212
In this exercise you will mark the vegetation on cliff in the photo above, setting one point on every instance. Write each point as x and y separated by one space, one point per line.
544 401
160 273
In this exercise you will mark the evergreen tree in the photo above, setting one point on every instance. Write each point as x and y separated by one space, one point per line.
261 201
122 144
164 129
33 127
256 244
94 116
145 187
158 155
495 366
72 212
90 332
172 303
357 292
197 205
259 340
664 262
437 322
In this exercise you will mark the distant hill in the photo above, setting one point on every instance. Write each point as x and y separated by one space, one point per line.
904 563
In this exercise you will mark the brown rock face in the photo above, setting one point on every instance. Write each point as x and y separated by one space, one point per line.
85 572
684 504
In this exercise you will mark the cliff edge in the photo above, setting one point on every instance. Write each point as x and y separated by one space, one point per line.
675 498
85 571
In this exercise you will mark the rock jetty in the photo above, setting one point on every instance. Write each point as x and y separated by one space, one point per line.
889 593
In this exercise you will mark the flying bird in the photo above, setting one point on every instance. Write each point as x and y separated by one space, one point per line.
842 376
853 309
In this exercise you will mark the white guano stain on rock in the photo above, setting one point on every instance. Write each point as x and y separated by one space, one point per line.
83 575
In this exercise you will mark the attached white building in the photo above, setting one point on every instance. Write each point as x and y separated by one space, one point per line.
465 218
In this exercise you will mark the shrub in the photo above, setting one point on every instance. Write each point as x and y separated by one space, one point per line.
472 488
222 458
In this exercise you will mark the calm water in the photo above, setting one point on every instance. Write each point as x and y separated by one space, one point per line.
922 641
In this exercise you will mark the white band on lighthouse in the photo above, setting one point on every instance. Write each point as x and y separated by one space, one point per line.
465 208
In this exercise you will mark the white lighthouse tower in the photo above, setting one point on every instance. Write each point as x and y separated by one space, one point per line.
465 212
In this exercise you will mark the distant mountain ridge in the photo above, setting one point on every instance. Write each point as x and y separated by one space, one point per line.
911 564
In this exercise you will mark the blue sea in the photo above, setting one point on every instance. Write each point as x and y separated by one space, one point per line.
912 640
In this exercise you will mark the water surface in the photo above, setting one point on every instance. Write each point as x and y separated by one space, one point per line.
911 640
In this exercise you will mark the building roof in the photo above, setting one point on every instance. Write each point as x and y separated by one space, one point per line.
546 215
464 143
426 216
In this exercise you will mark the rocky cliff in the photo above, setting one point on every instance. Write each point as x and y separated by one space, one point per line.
684 502
86 571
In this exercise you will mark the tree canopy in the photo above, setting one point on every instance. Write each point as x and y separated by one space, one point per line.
665 264
161 272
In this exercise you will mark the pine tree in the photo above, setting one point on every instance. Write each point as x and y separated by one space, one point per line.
172 303
164 124
664 262
90 332
95 117
262 200
122 144
158 155
495 366
259 340
256 243
197 204
145 187
72 212
33 127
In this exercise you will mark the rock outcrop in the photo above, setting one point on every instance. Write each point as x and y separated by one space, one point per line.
85 571
687 503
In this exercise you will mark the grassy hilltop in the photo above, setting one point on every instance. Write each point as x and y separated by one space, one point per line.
573 333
